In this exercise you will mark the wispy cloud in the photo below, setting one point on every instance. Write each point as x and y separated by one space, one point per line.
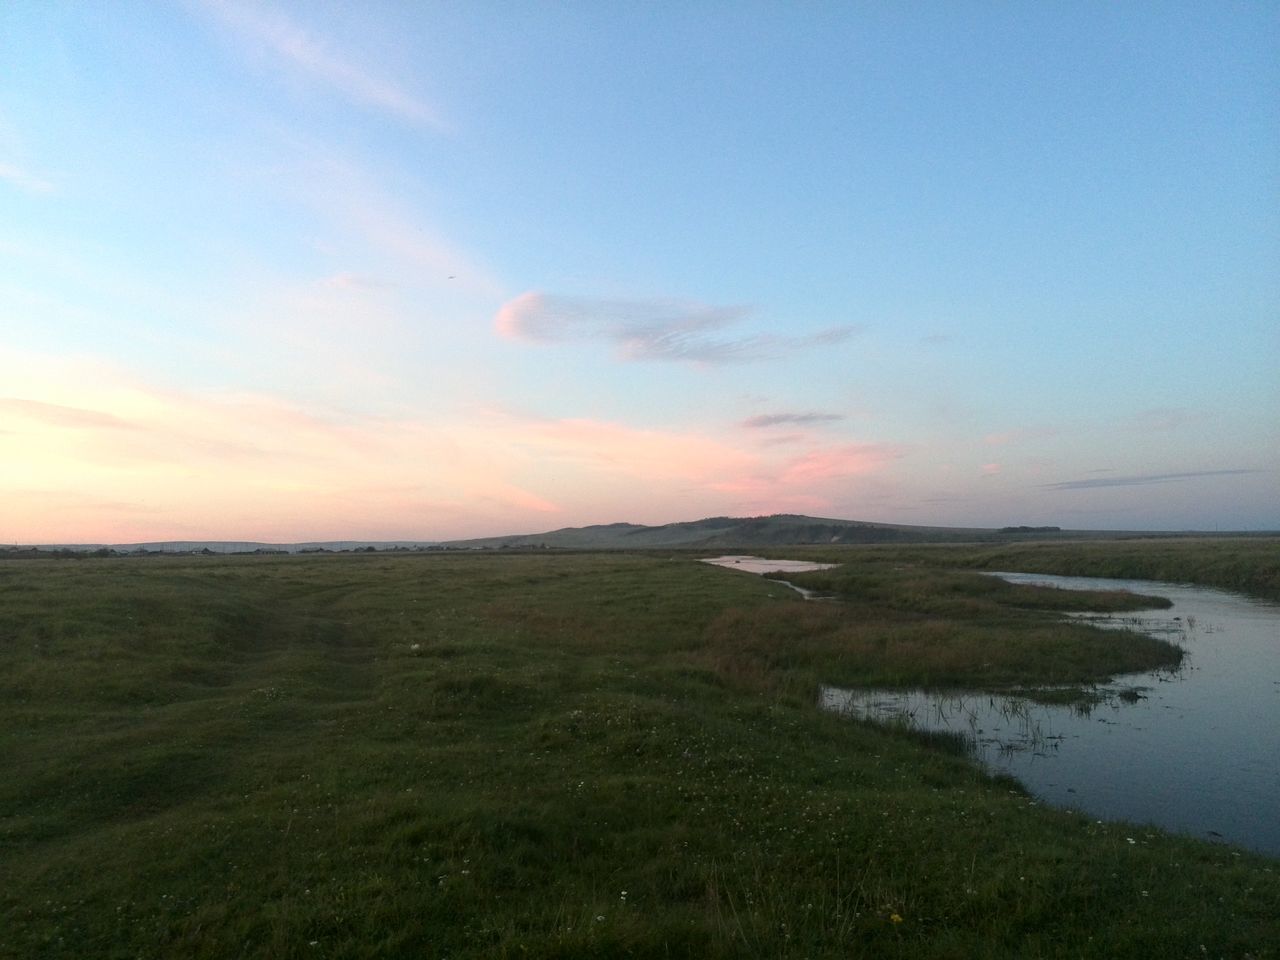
243 466
412 252
844 460
1141 479
781 439
346 280
648 329
817 475
314 58
257 466
58 415
25 179
763 420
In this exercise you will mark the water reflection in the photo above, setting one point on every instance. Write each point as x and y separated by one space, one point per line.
764 567
761 565
1195 750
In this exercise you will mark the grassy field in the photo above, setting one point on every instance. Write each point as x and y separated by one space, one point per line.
1244 564
553 756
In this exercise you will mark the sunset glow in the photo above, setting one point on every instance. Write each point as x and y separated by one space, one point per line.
273 271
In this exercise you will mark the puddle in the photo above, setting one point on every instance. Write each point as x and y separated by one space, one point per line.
762 566
765 567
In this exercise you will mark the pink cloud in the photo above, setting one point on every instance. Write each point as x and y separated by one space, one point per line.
512 317
509 495
814 480
766 420
845 460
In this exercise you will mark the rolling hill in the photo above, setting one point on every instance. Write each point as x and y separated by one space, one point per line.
725 532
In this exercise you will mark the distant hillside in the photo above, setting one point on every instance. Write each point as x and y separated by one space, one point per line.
725 532
226 546
713 533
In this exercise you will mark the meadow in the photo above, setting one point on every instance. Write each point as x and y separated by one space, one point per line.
1249 565
565 755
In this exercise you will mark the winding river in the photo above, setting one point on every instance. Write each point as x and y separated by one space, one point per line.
1195 750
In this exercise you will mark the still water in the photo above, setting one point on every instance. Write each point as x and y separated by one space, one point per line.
1196 750
761 565
765 567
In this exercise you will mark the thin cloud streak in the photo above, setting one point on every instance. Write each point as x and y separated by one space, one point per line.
346 280
781 439
313 58
24 179
58 415
764 420
1141 480
245 467
357 203
846 460
816 474
662 330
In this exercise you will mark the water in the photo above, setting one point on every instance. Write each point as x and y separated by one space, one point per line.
761 565
1196 750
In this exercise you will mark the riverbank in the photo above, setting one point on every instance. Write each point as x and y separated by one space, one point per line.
568 756
908 625
1195 750
1249 565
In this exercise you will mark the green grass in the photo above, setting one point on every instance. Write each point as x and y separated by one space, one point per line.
475 756
1249 565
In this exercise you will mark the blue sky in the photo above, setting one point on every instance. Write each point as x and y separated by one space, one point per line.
291 271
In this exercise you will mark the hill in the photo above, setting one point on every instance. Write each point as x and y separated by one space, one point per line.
711 533
216 546
723 532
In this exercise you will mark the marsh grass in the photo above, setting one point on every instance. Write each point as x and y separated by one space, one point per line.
908 625
1249 565
544 756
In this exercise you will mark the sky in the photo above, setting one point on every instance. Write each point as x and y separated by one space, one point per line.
312 271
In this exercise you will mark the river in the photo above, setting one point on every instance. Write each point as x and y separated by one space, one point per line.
1195 750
